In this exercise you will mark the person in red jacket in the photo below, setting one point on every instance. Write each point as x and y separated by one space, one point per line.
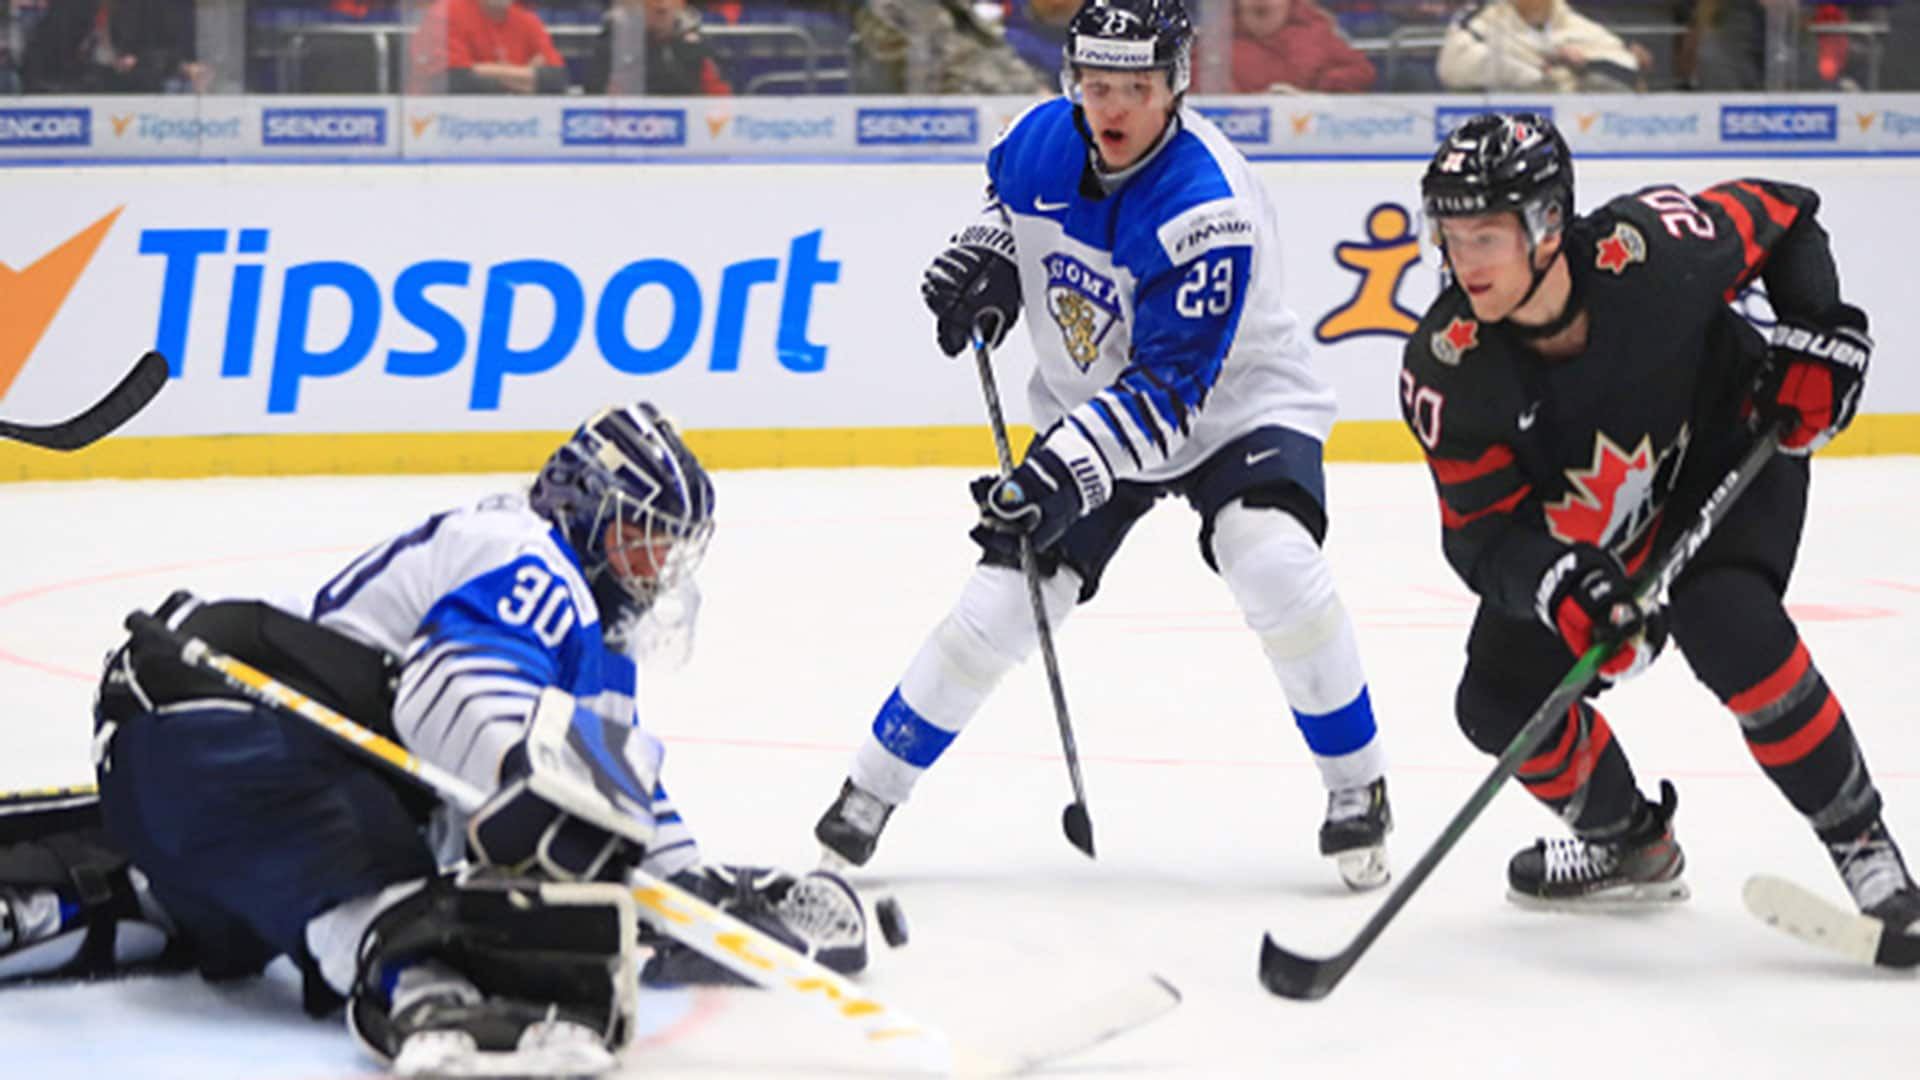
1293 44
484 47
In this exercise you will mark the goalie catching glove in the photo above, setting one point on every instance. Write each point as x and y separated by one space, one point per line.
576 797
1585 598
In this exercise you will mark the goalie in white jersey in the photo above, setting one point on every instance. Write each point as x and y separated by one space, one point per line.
1145 254
490 640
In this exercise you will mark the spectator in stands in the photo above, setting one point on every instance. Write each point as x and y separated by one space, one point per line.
653 47
1037 30
484 47
1293 45
113 47
1536 45
936 47
1726 47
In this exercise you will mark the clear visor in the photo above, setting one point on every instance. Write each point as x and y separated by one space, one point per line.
647 552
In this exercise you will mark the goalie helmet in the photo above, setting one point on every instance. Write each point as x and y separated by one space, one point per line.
1502 162
1131 34
632 502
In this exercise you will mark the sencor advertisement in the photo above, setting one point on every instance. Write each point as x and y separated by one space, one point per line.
342 298
1279 127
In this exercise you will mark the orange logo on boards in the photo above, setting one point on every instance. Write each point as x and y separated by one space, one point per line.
1865 120
120 123
1301 122
420 124
1382 261
1586 121
717 123
30 298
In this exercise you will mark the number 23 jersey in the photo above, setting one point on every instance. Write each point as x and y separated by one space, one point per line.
1154 308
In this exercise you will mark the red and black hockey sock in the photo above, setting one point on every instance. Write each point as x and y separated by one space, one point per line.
1584 777
1799 734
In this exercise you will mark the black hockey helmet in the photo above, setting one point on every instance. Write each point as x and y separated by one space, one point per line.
1130 34
1502 161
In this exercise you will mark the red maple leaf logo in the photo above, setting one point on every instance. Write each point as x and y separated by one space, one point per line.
1605 496
1625 247
1464 334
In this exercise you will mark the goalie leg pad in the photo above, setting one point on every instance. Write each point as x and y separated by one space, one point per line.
520 954
71 906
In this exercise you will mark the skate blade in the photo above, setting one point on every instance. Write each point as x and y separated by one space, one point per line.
1363 868
1618 898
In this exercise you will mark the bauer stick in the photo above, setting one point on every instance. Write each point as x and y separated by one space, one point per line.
1074 819
136 388
1303 978
734 945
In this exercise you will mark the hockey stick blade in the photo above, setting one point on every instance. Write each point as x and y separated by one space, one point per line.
1055 1035
1079 827
137 388
1301 978
1794 910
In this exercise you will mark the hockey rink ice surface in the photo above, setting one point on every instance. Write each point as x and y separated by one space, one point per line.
820 585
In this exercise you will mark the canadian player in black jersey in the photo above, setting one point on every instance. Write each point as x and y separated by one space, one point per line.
1578 388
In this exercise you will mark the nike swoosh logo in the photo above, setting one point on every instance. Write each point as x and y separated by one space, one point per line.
1045 207
30 298
1258 456
1527 418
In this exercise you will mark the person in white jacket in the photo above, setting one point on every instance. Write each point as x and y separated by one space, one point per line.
1536 45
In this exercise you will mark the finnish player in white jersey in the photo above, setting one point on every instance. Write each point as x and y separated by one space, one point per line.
492 640
1145 256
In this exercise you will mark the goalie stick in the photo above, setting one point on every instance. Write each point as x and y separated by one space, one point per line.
1074 819
1304 978
735 945
1797 911
136 388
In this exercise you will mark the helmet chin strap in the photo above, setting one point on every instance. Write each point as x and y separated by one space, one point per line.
1568 311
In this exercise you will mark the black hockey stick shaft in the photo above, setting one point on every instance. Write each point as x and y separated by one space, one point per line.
1074 819
1303 978
136 388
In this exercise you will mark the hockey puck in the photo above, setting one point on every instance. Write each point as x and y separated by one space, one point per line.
893 925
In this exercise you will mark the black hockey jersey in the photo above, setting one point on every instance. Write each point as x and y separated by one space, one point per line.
1531 455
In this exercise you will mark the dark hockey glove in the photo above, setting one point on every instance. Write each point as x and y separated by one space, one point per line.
1812 378
973 283
1040 499
1586 599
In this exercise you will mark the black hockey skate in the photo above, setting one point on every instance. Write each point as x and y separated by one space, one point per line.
1355 833
1641 867
1877 877
850 829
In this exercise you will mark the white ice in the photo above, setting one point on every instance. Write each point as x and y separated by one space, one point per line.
818 588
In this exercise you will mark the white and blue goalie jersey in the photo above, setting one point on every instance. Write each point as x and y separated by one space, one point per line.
1155 311
485 606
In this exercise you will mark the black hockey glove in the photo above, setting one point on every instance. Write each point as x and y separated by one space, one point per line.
1812 378
1585 597
973 283
1040 499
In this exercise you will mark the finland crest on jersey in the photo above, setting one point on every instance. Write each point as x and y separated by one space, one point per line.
1085 305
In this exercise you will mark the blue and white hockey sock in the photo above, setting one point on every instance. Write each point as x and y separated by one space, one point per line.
988 632
1284 587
